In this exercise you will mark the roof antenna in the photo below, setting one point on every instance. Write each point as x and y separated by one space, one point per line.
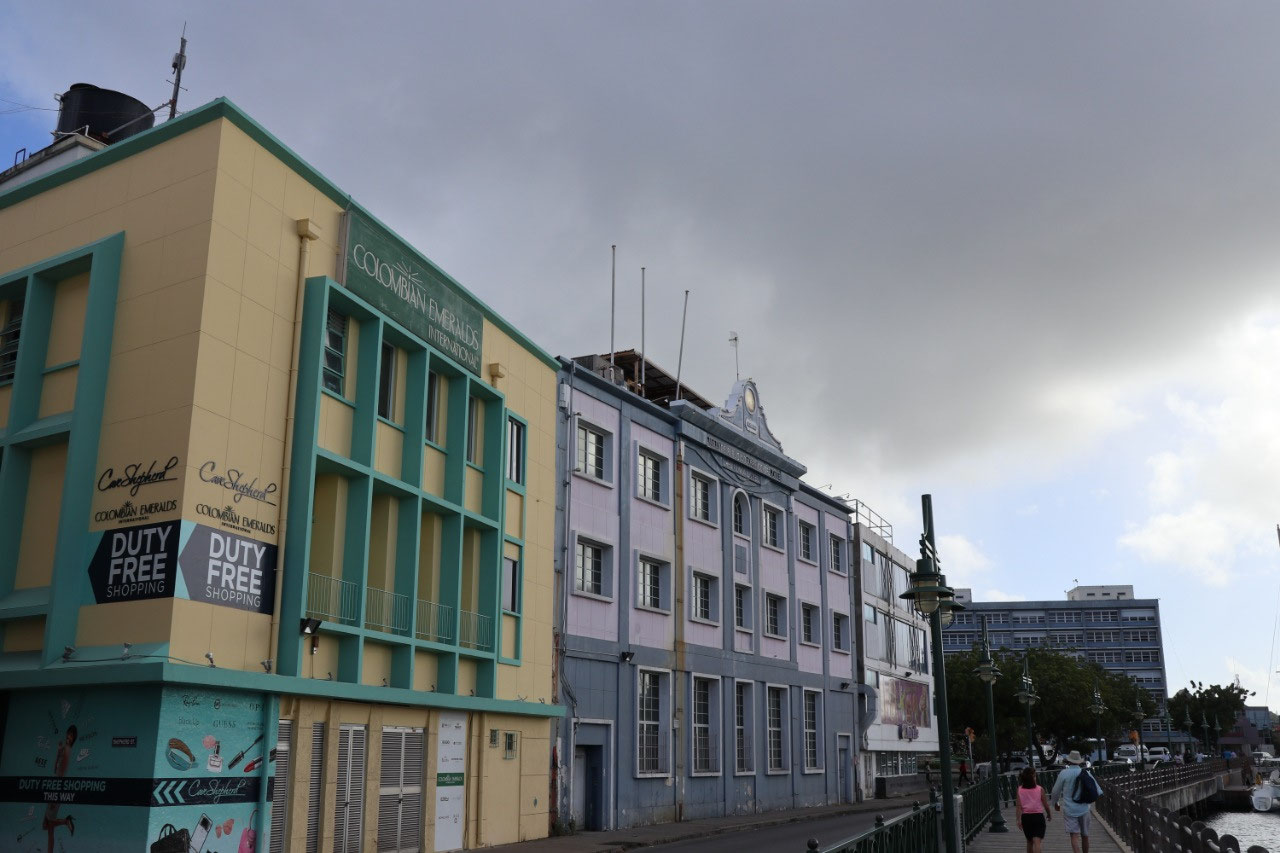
680 361
733 342
613 299
642 359
179 63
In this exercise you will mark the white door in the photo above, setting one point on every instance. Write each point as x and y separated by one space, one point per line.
579 786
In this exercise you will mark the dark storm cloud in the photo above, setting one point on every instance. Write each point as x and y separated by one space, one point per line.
961 205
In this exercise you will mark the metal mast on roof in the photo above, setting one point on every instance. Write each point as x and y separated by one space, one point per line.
733 342
680 361
179 63
642 331
613 299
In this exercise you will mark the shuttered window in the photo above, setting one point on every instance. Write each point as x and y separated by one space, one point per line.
280 784
400 791
315 792
348 819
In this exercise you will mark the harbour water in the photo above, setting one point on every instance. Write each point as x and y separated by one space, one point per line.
1262 828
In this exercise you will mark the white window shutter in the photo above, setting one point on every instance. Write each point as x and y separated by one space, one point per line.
280 791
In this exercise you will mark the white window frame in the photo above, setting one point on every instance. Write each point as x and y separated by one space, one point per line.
801 528
748 610
744 753
843 649
713 598
606 568
814 611
836 555
516 456
780 528
664 584
581 457
663 724
783 729
812 736
713 495
662 467
778 631
745 532
712 726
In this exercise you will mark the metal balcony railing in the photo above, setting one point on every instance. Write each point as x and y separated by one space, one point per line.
475 631
386 611
435 622
332 599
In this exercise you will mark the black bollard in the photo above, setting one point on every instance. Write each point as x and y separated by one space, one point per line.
813 844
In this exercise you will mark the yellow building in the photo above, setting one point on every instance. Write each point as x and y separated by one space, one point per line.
276 515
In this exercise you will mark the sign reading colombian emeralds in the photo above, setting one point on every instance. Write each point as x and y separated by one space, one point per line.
385 272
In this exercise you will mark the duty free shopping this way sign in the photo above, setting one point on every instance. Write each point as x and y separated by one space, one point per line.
384 271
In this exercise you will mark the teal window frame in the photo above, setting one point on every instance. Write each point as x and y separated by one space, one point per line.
331 375
10 335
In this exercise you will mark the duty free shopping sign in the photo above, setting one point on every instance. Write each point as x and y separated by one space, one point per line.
183 559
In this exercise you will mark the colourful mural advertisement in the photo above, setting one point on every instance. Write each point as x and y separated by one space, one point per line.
905 703
133 769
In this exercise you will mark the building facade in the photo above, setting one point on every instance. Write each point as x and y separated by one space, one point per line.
276 541
894 666
705 597
1103 624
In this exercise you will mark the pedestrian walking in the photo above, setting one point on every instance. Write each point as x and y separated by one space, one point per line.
1066 797
1032 809
964 774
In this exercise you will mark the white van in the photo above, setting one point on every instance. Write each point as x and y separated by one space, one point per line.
1127 752
1158 753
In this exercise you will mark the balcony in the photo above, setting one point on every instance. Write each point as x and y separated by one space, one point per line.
332 599
435 622
386 611
475 631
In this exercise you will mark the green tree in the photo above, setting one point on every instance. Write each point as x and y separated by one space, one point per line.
1214 703
1065 685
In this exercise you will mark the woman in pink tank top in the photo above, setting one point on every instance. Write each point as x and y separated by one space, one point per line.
1033 809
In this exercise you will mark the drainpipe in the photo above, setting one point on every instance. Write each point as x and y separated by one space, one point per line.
565 782
678 610
307 231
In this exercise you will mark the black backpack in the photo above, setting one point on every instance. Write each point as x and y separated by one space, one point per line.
1086 789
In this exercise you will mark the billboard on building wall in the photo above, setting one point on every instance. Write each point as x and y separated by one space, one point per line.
385 272
905 703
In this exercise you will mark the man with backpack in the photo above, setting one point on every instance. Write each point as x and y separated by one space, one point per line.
1073 792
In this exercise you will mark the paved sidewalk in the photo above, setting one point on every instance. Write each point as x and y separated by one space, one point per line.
1056 839
666 833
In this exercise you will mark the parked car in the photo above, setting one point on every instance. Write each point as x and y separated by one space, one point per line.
1158 753
1261 755
1129 752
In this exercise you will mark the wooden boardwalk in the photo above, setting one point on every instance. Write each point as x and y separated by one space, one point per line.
1055 838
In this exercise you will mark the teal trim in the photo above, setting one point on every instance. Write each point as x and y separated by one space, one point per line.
21 603
224 108
57 367
271 733
155 672
39 433
510 661
341 399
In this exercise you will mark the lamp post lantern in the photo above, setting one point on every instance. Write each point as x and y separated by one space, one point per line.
1190 727
1027 696
931 597
1204 724
1098 709
1168 729
1139 716
989 672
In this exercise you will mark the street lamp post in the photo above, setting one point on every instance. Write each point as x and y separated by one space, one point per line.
1098 710
1204 724
1190 727
1027 696
1168 730
989 672
1139 716
1217 740
932 598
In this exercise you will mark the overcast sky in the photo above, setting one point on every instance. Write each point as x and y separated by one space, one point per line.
1020 256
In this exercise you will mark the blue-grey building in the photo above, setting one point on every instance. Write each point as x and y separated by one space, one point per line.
1104 624
704 640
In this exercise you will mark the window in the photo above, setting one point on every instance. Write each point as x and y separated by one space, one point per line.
871 615
589 569
590 452
651 577
515 451
837 554
806 541
742 607
704 598
280 790
700 497
649 476
839 632
653 714
808 616
400 789
335 348
771 524
706 714
510 585
510 746
740 515
387 382
473 430
432 432
775 615
743 726
348 818
811 730
775 716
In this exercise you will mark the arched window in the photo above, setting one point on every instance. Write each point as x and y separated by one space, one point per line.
740 515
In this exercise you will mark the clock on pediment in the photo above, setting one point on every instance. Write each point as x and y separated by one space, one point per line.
744 411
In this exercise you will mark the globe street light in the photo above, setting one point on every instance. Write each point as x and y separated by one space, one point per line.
932 598
1098 710
989 672
1027 696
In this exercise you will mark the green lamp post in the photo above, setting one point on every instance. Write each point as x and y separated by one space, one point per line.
1027 696
988 672
932 598
1098 709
